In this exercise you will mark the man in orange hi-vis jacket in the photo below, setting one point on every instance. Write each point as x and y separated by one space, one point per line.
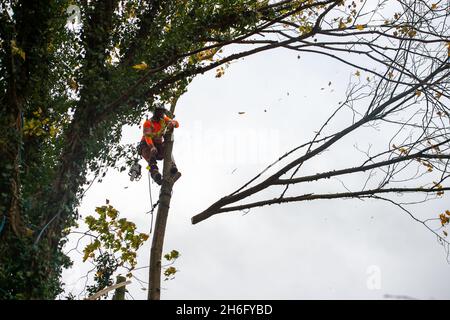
151 147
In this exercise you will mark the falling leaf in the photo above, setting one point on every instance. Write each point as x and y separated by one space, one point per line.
140 66
329 83
219 72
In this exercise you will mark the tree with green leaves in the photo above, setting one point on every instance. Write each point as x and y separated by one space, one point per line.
67 90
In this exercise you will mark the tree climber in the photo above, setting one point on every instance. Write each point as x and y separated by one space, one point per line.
151 146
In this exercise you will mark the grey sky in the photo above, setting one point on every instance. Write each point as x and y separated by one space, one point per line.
312 250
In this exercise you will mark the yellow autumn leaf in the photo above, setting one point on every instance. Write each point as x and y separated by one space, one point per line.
434 6
53 131
140 66
207 54
28 232
360 27
73 84
22 54
418 93
16 50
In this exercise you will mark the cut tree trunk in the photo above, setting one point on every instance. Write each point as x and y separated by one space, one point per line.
154 292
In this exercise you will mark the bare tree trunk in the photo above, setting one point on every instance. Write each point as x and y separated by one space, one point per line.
160 225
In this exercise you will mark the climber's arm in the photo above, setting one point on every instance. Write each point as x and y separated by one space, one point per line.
169 121
149 141
147 133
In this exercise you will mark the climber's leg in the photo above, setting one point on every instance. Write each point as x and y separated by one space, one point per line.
151 159
145 151
160 148
154 173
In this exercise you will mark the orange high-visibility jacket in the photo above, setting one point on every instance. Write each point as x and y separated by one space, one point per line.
155 129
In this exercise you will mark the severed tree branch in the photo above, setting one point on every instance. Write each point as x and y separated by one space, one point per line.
389 106
311 196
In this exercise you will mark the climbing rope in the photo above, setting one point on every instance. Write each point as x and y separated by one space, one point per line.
152 206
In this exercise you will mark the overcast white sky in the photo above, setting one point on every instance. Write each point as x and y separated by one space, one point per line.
311 250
